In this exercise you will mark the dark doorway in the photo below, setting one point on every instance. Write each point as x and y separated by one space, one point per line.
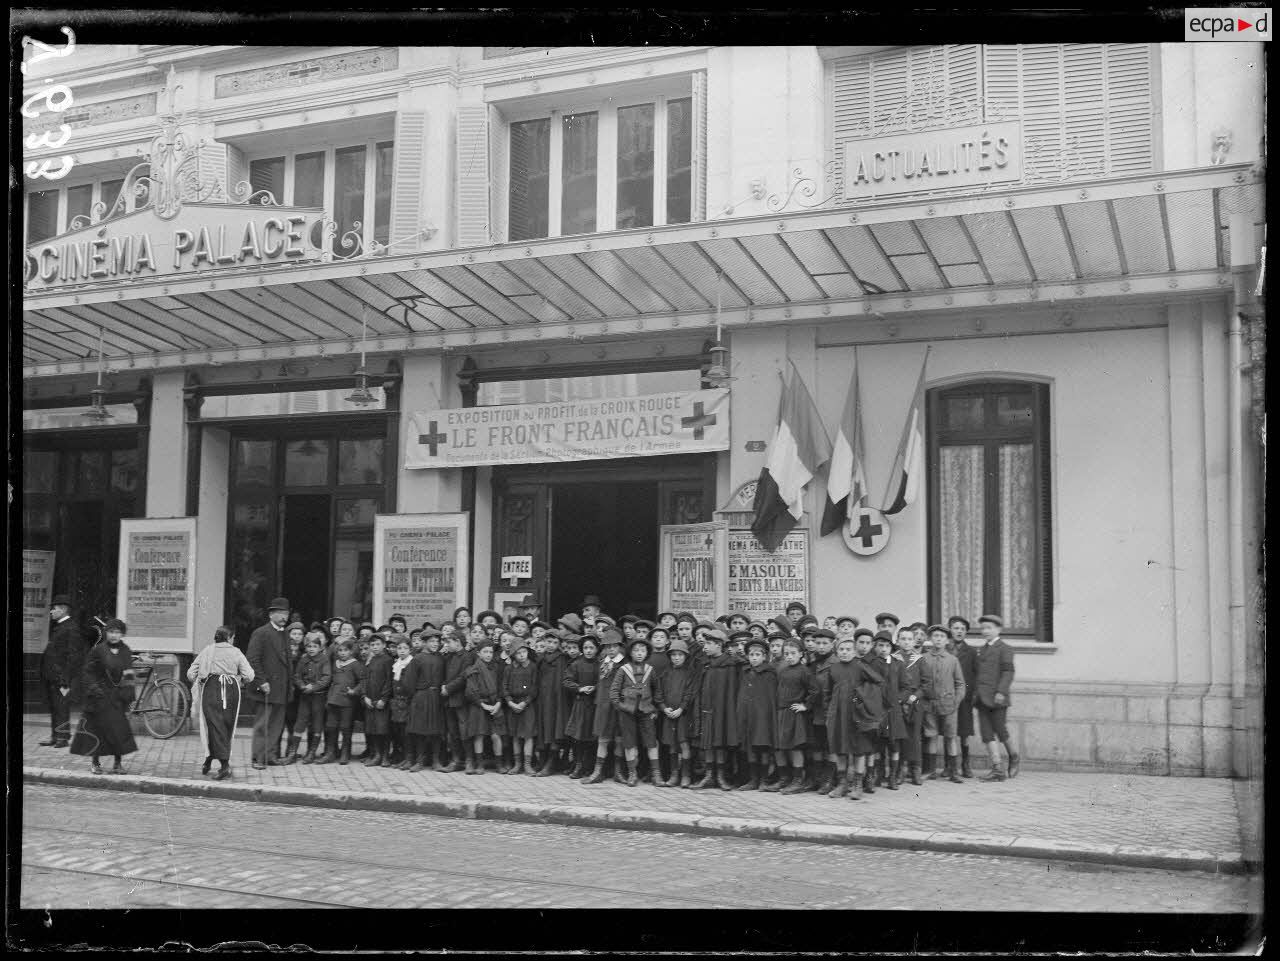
304 554
604 541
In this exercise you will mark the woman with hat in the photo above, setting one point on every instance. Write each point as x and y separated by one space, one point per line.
215 676
632 695
104 727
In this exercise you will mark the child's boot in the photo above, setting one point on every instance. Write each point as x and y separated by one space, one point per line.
344 753
708 780
801 782
548 765
952 774
597 775
291 754
844 783
855 788
783 782
966 769
475 765
931 767
722 778
310 756
456 755
517 764
828 778
618 765
330 747
915 774
869 782
895 775
753 780
686 774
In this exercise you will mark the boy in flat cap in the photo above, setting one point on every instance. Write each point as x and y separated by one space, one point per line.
822 761
958 628
994 678
887 622
907 711
797 695
676 697
554 703
941 689
855 709
453 691
795 610
605 719
484 709
521 694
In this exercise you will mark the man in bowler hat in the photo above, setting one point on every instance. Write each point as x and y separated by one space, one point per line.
269 657
60 669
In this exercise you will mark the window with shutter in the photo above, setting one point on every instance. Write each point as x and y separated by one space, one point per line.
473 175
1086 109
408 177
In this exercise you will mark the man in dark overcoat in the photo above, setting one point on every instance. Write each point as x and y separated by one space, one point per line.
269 657
60 666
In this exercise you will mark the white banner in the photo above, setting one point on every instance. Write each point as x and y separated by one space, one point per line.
37 590
675 423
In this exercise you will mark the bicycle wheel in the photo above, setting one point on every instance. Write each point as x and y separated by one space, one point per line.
164 708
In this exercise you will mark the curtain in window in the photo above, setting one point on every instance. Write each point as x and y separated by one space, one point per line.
1017 537
961 523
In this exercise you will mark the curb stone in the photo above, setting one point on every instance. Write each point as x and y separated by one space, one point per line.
1123 855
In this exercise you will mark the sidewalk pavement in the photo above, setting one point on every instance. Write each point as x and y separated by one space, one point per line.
1172 823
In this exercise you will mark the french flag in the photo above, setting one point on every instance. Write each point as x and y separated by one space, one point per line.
800 446
847 484
908 466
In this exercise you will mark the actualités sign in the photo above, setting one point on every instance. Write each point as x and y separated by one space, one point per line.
141 245
932 160
674 423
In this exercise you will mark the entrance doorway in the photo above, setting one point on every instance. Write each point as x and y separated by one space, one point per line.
304 551
604 541
593 529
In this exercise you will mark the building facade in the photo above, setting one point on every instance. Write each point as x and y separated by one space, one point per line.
251 237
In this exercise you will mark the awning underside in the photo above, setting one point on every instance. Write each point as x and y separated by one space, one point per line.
1138 228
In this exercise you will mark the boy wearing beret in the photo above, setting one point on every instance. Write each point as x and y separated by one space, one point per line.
909 707
605 719
958 628
887 622
453 690
631 694
899 706
554 703
676 697
994 678
345 689
822 761
484 708
756 711
521 694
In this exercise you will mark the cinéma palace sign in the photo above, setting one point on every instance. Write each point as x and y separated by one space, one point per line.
143 246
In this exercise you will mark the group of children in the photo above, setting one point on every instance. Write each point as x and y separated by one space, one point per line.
788 705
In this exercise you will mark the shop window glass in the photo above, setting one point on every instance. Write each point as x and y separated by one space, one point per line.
124 471
306 463
635 166
578 175
268 174
93 473
353 557
252 565
348 194
360 461
286 403
61 418
111 194
383 157
965 413
39 468
70 471
679 161
308 180
37 527
253 465
42 215
529 179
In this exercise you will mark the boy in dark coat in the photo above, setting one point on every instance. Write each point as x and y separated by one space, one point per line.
377 703
345 689
521 694
796 696
605 719
676 697
958 627
424 725
855 708
484 708
994 677
311 678
901 691
717 705
756 711
820 757
456 662
553 705
579 680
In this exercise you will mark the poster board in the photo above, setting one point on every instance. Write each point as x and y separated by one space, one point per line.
37 591
421 566
508 603
761 584
156 580
693 559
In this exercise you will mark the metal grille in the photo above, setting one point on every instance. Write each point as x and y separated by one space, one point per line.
1095 245
693 264
1045 243
469 285
947 241
573 272
919 272
859 249
655 271
642 297
993 235
1142 234
964 275
564 297
746 275
817 256
898 238
778 261
1190 218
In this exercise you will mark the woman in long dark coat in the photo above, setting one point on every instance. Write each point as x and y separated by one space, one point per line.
104 728
215 675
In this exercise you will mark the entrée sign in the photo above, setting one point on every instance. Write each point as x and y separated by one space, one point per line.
201 237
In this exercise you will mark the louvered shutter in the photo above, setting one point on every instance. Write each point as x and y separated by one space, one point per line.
1042 100
473 175
1002 82
408 176
1084 111
499 133
211 169
237 170
698 173
1129 133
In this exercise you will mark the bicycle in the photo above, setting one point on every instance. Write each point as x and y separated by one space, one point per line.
163 703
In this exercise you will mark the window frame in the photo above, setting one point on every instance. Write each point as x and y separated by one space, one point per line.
329 149
62 189
990 437
606 111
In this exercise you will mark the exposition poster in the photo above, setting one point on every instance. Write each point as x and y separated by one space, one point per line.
762 584
420 566
691 569
155 594
37 591
547 433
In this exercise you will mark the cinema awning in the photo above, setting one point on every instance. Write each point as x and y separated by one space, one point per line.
1134 237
